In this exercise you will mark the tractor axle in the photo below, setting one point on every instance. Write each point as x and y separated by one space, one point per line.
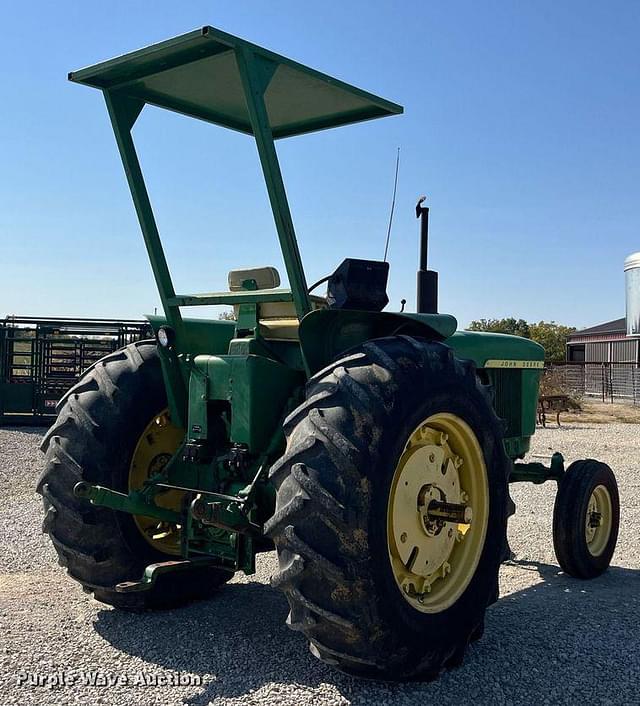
457 513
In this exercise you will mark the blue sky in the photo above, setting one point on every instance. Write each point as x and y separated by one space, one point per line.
521 124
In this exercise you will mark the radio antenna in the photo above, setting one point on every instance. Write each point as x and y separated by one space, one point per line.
393 205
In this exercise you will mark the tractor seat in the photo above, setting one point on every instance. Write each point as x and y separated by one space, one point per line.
279 329
277 320
253 278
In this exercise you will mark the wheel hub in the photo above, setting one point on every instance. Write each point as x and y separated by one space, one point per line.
431 512
154 450
599 520
429 495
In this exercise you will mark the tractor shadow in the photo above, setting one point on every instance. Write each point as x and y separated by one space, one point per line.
555 638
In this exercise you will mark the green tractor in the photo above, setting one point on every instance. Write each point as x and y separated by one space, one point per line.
372 449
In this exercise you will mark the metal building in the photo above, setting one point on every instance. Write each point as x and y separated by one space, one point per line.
604 360
604 343
616 341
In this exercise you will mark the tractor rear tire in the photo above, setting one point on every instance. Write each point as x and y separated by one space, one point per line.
100 421
583 550
331 525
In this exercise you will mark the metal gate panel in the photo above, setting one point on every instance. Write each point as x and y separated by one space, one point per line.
40 359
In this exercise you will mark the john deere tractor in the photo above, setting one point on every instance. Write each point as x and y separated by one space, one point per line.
373 449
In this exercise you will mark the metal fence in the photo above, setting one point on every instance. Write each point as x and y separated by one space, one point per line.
41 358
610 382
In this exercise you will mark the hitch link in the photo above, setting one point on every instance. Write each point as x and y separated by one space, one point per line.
135 503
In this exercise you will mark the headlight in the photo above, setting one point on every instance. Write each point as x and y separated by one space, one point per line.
166 336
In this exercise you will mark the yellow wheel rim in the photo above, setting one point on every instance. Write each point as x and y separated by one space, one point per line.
155 447
599 520
434 559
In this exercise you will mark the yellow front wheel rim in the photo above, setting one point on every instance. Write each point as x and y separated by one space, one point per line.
599 520
155 447
434 559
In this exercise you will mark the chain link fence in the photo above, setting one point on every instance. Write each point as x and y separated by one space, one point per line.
609 382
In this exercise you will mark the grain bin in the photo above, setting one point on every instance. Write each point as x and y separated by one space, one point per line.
632 289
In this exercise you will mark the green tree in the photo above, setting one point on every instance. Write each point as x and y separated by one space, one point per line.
553 338
515 327
550 335
227 315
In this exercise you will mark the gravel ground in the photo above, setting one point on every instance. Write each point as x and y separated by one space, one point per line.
550 639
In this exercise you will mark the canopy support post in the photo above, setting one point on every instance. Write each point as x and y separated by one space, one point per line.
256 73
124 112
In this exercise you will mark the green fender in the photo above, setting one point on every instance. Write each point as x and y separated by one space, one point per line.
326 333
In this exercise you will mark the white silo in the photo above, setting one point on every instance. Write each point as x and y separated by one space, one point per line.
632 288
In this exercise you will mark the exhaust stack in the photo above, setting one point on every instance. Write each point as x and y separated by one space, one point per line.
427 290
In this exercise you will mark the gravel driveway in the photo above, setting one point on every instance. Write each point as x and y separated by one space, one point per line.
550 639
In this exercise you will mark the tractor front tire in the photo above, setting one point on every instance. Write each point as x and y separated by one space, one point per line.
100 423
384 431
586 518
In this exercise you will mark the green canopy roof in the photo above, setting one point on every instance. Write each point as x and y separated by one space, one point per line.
197 74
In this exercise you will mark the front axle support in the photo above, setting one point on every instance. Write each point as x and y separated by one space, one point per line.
535 472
